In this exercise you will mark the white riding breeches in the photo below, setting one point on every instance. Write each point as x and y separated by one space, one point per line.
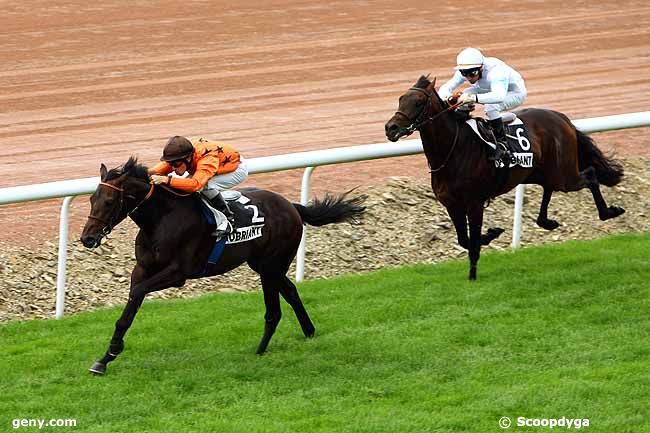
224 181
512 100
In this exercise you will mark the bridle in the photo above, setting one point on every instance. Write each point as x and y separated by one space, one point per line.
421 119
115 213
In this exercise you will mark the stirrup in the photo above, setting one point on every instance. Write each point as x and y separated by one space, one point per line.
231 223
498 154
220 204
221 233
230 217
501 153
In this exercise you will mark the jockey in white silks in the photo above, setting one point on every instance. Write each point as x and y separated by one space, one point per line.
492 83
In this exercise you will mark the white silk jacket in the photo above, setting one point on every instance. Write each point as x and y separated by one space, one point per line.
497 80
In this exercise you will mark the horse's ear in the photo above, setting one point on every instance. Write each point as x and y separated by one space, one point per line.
431 87
103 171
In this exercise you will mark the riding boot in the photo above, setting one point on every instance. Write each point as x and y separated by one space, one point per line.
501 153
220 204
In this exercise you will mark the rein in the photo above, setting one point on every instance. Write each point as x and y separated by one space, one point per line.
173 191
108 225
453 146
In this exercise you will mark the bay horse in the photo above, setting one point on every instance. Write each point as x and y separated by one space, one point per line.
464 180
174 242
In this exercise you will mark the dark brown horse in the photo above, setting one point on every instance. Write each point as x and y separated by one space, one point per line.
463 179
174 243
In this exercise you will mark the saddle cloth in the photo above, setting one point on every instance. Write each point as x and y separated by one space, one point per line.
249 220
516 134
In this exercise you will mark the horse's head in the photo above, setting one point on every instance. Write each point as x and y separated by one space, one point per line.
113 200
417 107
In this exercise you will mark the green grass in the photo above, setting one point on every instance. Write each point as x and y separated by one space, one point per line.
548 332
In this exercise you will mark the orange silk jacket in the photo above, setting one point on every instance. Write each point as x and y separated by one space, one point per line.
210 158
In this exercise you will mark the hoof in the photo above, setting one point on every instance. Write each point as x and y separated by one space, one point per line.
615 211
548 224
98 368
309 332
612 212
491 235
261 349
495 231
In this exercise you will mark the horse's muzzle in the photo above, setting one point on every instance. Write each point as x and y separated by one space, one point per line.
90 241
394 131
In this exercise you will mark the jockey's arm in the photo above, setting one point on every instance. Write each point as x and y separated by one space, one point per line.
497 93
206 169
162 168
446 89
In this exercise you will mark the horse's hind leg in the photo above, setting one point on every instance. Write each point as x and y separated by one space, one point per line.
290 294
604 212
273 311
491 235
542 218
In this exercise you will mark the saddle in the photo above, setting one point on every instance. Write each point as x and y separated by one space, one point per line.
485 130
249 223
248 218
518 142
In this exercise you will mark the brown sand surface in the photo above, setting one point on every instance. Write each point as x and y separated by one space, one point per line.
83 83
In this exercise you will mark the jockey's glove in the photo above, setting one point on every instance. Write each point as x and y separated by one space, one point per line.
467 98
157 179
453 98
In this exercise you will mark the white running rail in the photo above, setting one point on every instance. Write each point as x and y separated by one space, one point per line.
308 160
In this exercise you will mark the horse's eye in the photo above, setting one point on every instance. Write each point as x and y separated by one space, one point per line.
419 103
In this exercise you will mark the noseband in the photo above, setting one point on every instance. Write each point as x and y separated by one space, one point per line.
108 225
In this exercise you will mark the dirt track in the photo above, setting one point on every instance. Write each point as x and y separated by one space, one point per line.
82 83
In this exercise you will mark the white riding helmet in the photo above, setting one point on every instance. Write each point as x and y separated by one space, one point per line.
469 58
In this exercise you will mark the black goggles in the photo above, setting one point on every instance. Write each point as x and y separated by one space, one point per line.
469 72
177 163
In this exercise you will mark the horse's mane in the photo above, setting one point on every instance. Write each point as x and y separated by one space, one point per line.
423 82
131 168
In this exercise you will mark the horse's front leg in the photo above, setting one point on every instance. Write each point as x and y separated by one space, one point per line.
475 219
459 218
140 286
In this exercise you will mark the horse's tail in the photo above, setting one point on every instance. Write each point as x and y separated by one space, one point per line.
332 209
609 171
